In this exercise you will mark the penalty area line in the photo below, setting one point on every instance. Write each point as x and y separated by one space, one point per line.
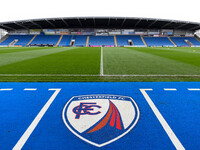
35 122
162 121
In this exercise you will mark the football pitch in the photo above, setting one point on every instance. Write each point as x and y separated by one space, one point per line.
68 64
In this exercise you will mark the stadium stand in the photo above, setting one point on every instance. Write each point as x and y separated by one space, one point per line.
45 40
122 40
22 40
99 31
66 39
158 41
181 41
84 40
80 40
101 40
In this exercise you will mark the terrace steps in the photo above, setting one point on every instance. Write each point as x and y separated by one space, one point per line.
13 43
87 41
143 41
71 40
197 38
115 38
4 38
31 40
171 41
59 40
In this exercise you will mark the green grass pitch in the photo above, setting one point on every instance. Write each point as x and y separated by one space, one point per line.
60 64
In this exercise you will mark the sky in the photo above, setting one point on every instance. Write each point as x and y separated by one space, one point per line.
12 10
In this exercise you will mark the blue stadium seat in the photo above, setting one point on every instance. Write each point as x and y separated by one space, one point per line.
80 40
22 40
65 40
46 39
180 41
122 40
101 40
158 41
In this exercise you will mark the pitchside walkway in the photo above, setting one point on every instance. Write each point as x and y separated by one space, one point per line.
33 115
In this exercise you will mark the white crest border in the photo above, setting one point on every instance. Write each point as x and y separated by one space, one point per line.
108 142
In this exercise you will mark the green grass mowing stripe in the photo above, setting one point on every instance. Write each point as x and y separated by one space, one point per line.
179 56
20 49
188 50
76 61
125 61
14 57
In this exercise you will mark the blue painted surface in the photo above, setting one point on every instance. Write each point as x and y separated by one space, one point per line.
180 108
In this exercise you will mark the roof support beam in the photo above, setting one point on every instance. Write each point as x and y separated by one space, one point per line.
152 23
35 24
4 26
50 23
65 22
166 25
94 22
194 28
108 22
123 22
137 23
79 22
20 25
181 26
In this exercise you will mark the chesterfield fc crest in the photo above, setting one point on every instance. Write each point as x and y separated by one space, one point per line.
100 119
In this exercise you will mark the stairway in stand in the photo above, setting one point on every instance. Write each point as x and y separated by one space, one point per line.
143 41
31 40
59 40
115 38
172 41
87 42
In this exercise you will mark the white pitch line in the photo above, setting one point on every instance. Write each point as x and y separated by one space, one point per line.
101 64
153 75
193 89
162 121
10 89
30 89
35 122
170 89
51 75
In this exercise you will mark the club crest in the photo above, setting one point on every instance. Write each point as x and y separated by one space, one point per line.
100 119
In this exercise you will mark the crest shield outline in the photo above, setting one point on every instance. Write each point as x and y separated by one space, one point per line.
91 106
